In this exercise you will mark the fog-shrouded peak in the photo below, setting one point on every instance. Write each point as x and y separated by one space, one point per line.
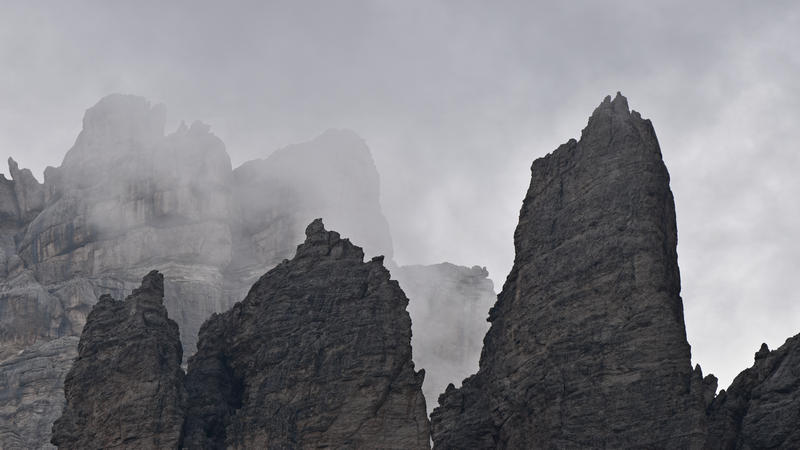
321 242
616 106
117 123
129 199
331 176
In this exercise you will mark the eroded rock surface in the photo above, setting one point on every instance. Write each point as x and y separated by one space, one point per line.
32 392
448 305
317 355
125 388
761 408
587 346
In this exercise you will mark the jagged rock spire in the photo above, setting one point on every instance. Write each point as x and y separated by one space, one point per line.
125 388
317 355
587 346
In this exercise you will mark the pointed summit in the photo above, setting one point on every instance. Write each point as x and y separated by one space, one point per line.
620 103
125 388
587 346
152 282
317 355
320 242
611 121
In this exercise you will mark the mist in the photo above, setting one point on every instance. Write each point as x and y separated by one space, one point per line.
455 100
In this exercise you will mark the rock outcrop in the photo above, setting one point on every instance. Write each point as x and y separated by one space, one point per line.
32 392
761 408
125 388
587 346
317 355
448 305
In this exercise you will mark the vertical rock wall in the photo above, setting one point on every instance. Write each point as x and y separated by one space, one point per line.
587 346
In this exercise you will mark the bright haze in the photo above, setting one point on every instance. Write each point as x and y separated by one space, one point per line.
455 100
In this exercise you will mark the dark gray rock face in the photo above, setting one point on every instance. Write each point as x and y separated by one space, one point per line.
448 305
32 392
761 408
125 388
587 346
317 355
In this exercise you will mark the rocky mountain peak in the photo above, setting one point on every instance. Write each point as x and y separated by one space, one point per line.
613 118
330 368
152 283
125 388
591 312
119 117
320 242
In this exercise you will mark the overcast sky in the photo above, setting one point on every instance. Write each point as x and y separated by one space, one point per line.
455 100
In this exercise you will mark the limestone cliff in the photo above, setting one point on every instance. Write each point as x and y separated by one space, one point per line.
587 346
125 388
31 392
317 355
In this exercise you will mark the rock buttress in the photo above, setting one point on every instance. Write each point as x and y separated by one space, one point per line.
587 346
125 388
317 355
761 408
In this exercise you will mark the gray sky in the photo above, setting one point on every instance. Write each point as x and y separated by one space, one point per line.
455 100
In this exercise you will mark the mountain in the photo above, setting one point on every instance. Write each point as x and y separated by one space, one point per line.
587 346
125 388
318 355
129 198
